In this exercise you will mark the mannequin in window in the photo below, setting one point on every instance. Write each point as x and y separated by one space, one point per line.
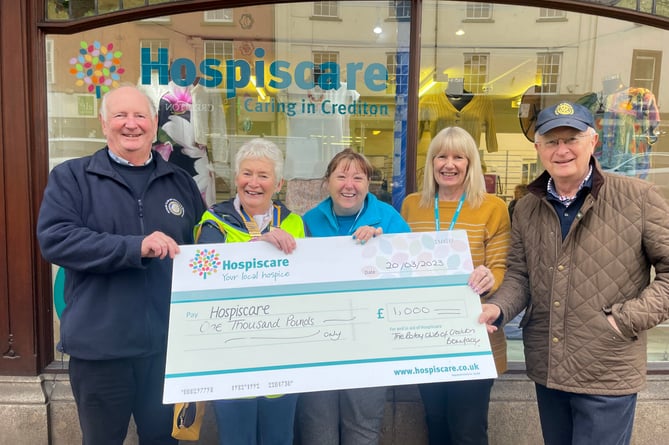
184 117
176 140
460 108
315 136
457 95
626 119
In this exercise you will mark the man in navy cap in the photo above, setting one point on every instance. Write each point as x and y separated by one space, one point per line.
582 246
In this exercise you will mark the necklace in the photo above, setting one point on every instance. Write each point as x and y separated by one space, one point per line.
252 225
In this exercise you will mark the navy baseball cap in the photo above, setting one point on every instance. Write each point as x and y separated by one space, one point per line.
564 114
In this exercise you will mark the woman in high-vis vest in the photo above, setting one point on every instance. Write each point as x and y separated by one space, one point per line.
252 215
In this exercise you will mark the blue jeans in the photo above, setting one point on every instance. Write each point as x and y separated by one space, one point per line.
585 419
346 417
456 413
261 420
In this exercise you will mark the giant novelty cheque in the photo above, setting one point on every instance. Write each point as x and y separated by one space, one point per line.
249 320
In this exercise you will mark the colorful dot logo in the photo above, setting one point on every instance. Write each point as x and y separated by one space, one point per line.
206 262
97 66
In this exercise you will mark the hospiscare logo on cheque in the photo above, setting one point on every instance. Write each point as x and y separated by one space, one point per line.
207 262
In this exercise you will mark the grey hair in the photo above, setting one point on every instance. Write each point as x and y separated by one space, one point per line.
103 103
260 148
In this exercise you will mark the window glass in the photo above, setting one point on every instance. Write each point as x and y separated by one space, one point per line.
314 87
477 75
319 77
74 9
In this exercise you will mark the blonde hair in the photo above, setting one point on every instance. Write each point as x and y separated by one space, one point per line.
454 140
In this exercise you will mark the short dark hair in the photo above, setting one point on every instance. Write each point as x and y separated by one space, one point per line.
350 156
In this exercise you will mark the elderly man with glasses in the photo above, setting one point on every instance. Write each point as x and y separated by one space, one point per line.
582 246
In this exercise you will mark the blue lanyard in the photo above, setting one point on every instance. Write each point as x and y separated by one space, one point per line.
437 225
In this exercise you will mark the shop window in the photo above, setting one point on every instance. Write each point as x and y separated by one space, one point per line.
476 72
548 70
479 11
328 9
218 16
371 114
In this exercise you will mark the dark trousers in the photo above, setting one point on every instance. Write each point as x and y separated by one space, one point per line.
585 419
259 420
341 417
457 412
108 392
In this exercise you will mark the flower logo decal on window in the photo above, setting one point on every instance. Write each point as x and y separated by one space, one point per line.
206 262
97 66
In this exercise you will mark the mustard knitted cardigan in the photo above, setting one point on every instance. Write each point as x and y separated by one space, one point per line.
488 230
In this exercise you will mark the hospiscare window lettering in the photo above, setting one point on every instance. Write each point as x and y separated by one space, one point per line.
236 73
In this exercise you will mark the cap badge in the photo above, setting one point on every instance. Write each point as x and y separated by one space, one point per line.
564 109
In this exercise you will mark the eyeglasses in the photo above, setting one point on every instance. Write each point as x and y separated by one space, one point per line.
569 142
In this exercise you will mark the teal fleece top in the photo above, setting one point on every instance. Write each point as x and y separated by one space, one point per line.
321 220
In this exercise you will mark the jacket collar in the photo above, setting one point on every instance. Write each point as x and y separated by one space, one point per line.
101 164
226 211
369 216
539 185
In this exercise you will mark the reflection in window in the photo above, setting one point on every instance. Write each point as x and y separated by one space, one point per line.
646 69
218 49
546 13
479 11
322 58
164 19
548 70
326 9
75 9
476 72
487 55
218 16
154 46
50 76
391 65
399 9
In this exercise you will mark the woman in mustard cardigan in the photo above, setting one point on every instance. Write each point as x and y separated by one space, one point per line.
454 197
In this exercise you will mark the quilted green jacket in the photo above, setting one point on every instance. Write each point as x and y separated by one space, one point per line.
604 263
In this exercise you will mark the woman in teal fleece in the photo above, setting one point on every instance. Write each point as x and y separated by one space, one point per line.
352 416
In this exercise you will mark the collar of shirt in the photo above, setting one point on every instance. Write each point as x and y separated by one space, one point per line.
262 220
119 160
566 200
